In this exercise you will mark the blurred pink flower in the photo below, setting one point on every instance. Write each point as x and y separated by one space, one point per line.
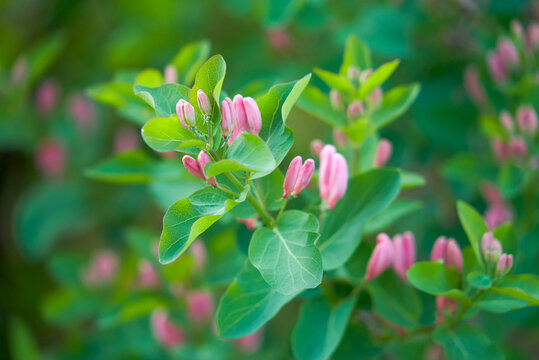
199 306
496 215
147 277
444 304
404 253
251 343
383 153
198 249
101 269
47 96
497 67
250 223
316 147
50 158
279 39
83 110
125 139
165 332
381 258
171 75
473 86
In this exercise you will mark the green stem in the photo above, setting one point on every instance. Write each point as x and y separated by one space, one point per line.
281 210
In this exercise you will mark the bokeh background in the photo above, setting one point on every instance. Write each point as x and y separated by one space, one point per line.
53 217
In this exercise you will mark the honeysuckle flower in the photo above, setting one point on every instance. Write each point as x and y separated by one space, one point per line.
83 111
497 214
473 85
304 177
316 147
47 95
186 113
532 37
326 156
204 103
254 118
147 277
279 38
339 137
497 67
50 158
383 153
250 223
491 194
381 257
527 119
251 343
505 263
101 269
355 109
518 147
490 247
404 253
164 331
199 306
447 250
353 73
333 177
203 159
375 98
506 120
291 176
196 167
171 75
125 139
336 99
508 52
228 119
501 149
199 252
365 75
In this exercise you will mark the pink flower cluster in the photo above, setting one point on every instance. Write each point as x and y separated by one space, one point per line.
101 269
491 248
240 115
297 177
517 146
399 253
196 167
497 212
333 177
383 153
165 331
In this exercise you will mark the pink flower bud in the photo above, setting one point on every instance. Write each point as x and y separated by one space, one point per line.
192 166
518 147
125 139
241 114
443 304
304 176
254 118
50 158
491 194
381 257
199 307
527 119
47 96
506 120
204 103
199 253
501 150
338 180
490 247
365 75
316 147
164 331
291 176
186 113
203 159
339 137
508 52
171 75
234 135
404 253
383 153
250 223
147 277
355 109
279 39
505 263
336 99
532 38
496 67
251 343
439 249
516 28
101 269
453 255
228 116
496 215
83 111
473 85
375 98
326 156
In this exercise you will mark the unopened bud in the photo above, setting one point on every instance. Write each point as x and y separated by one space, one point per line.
228 118
490 247
254 118
381 257
171 75
383 153
497 67
527 119
291 176
506 120
353 73
505 263
304 176
508 52
204 103
316 147
365 75
355 109
336 99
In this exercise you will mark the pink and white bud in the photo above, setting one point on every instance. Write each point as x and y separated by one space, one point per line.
516 28
326 156
505 263
50 158
375 98
251 343
147 277
501 149
339 137
46 97
241 115
365 75
254 118
199 307
316 147
355 109
453 255
439 249
192 166
518 147
291 176
497 67
508 52
496 215
250 223
164 331
338 180
203 159
200 254
125 139
532 38
186 113
204 103
304 177
506 120
336 99
490 247
228 118
473 85
171 75
381 257
404 253
383 153
527 119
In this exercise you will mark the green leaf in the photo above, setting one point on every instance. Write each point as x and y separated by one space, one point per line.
316 103
187 218
377 78
479 280
495 302
466 343
356 53
248 303
367 195
189 59
505 233
320 328
336 81
286 255
271 187
21 343
130 167
524 287
410 180
511 180
394 300
469 169
275 107
210 79
474 225
436 279
163 98
149 77
247 153
392 213
166 134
